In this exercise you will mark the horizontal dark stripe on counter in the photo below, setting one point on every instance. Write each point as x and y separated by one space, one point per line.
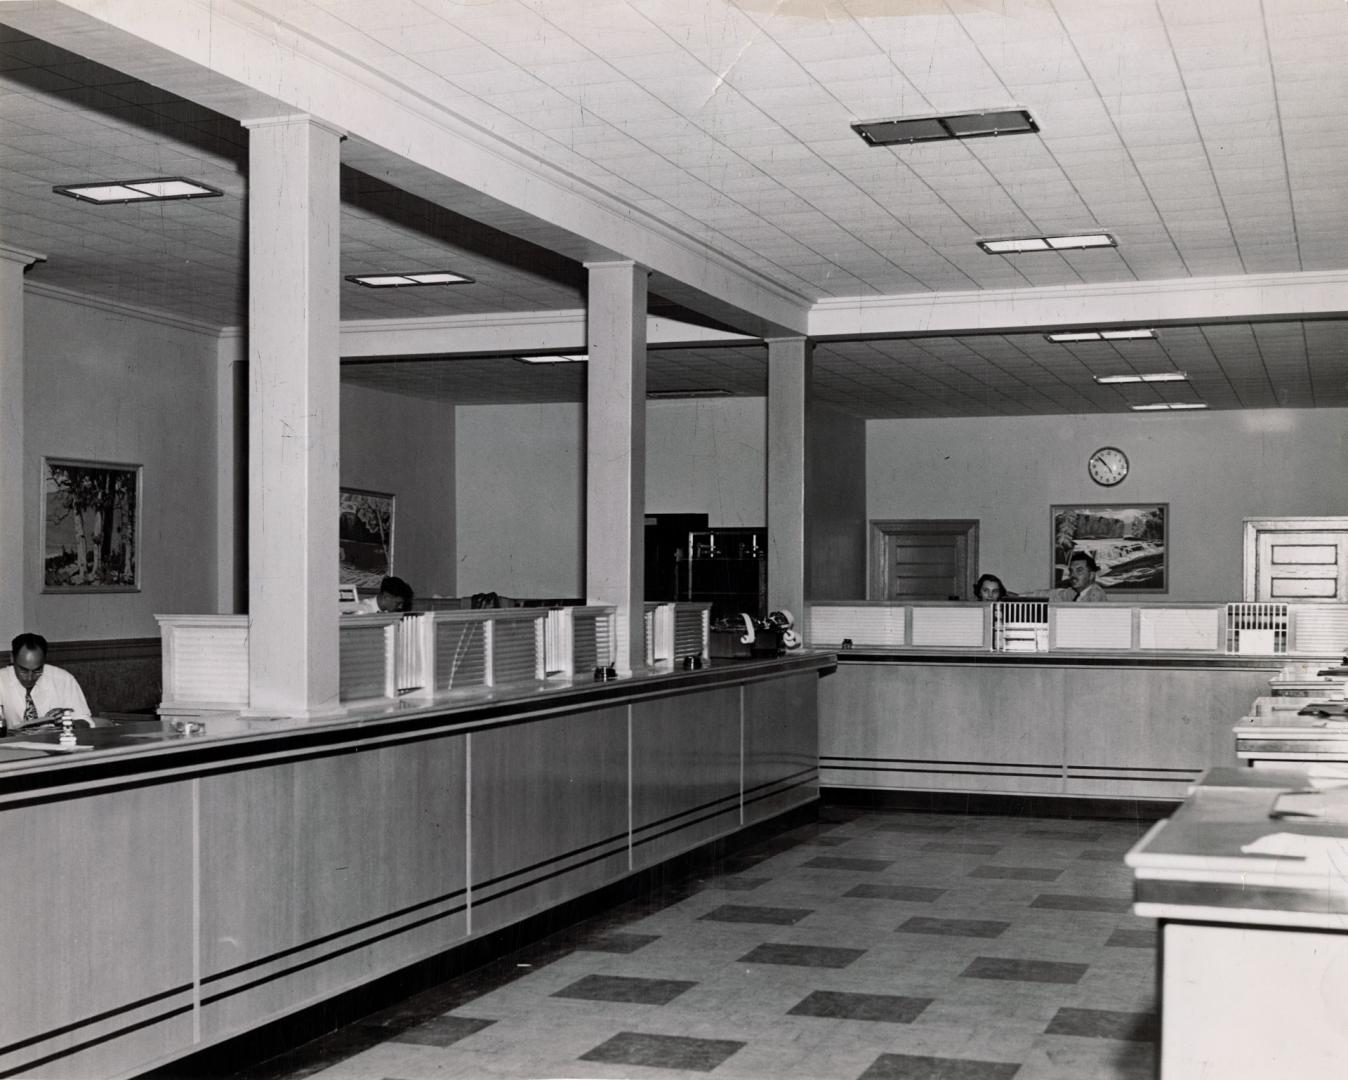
985 658
178 759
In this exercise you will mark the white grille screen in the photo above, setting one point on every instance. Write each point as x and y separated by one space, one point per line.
1320 629
953 626
460 655
210 665
1020 625
514 650
1260 629
1179 628
830 624
689 632
362 652
1093 628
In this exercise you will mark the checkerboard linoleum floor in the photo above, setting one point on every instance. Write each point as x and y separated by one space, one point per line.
871 945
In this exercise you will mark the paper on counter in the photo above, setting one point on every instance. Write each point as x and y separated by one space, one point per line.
1327 852
1327 805
45 747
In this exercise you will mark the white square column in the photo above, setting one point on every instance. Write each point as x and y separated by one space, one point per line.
790 366
615 452
293 418
13 463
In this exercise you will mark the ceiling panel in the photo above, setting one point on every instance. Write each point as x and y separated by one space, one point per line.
1206 135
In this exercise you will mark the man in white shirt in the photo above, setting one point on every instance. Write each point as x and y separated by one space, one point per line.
32 690
1081 584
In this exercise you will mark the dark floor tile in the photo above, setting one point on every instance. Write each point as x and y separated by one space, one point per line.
827 841
1094 855
821 956
619 941
979 928
1016 970
748 913
625 988
917 1067
1016 873
961 847
442 1031
1066 902
1104 1024
1133 939
843 862
914 827
1062 832
837 1005
738 884
663 1051
920 894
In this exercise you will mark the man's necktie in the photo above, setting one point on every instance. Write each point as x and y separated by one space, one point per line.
29 709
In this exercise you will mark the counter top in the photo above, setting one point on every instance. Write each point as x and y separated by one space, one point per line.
1060 658
1192 866
139 746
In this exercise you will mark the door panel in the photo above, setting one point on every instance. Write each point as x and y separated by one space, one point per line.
1297 565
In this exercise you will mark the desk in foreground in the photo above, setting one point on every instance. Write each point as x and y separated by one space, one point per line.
1254 947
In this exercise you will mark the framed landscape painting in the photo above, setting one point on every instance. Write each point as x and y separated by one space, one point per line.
1128 541
365 537
90 526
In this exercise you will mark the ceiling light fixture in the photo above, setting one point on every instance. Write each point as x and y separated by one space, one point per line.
1158 406
555 358
972 125
1158 376
710 391
1064 336
155 189
1024 244
418 277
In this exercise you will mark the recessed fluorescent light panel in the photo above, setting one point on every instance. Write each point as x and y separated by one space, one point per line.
398 281
1047 243
973 125
1065 336
555 358
698 393
1158 376
155 189
1159 406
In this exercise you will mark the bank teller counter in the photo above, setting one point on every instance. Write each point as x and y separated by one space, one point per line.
1117 700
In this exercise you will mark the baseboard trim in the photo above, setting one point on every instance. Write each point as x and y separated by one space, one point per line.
1006 805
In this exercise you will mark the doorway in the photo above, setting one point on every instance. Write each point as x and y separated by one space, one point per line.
1296 560
923 560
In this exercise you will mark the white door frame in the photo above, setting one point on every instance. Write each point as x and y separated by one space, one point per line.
1255 526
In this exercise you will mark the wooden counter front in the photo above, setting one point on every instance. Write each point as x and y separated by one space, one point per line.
163 899
1032 723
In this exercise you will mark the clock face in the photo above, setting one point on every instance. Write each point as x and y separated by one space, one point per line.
1108 466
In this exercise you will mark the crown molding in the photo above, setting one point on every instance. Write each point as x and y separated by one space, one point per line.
118 307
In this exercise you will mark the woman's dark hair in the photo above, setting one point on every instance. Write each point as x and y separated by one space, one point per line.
396 586
978 585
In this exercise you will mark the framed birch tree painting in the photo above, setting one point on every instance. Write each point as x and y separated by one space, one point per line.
90 526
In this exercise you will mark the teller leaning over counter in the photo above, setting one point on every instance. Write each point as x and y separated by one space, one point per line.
1081 584
33 691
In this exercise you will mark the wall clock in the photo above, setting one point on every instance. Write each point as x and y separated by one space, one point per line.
1108 466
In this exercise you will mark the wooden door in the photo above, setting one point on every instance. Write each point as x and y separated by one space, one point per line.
1300 566
923 560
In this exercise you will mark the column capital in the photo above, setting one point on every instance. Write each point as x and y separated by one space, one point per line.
19 255
616 264
293 118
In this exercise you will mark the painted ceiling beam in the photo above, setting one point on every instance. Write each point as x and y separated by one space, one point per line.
1184 301
244 61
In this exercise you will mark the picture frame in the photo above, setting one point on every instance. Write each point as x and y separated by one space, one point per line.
365 537
90 526
1130 542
